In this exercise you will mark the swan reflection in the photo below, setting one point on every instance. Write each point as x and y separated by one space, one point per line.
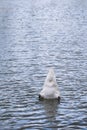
51 111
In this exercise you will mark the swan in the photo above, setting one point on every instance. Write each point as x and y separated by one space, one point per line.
50 88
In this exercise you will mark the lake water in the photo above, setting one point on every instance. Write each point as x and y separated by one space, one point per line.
36 35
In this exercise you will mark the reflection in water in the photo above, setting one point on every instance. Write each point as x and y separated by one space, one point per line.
51 111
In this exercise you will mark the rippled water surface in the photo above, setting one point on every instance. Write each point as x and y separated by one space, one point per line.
36 35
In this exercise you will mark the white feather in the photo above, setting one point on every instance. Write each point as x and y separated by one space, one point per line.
50 87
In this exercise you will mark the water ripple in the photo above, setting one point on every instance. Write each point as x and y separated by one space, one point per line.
36 35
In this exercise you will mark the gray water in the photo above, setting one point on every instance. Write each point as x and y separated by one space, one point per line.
36 35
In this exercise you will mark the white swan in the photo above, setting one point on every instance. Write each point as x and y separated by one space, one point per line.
50 88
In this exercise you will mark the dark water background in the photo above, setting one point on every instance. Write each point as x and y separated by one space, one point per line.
36 35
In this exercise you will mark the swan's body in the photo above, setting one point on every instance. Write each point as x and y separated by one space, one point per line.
50 88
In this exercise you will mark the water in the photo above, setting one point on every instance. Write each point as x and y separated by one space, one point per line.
36 35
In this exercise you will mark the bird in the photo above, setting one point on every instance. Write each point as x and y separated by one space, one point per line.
50 88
